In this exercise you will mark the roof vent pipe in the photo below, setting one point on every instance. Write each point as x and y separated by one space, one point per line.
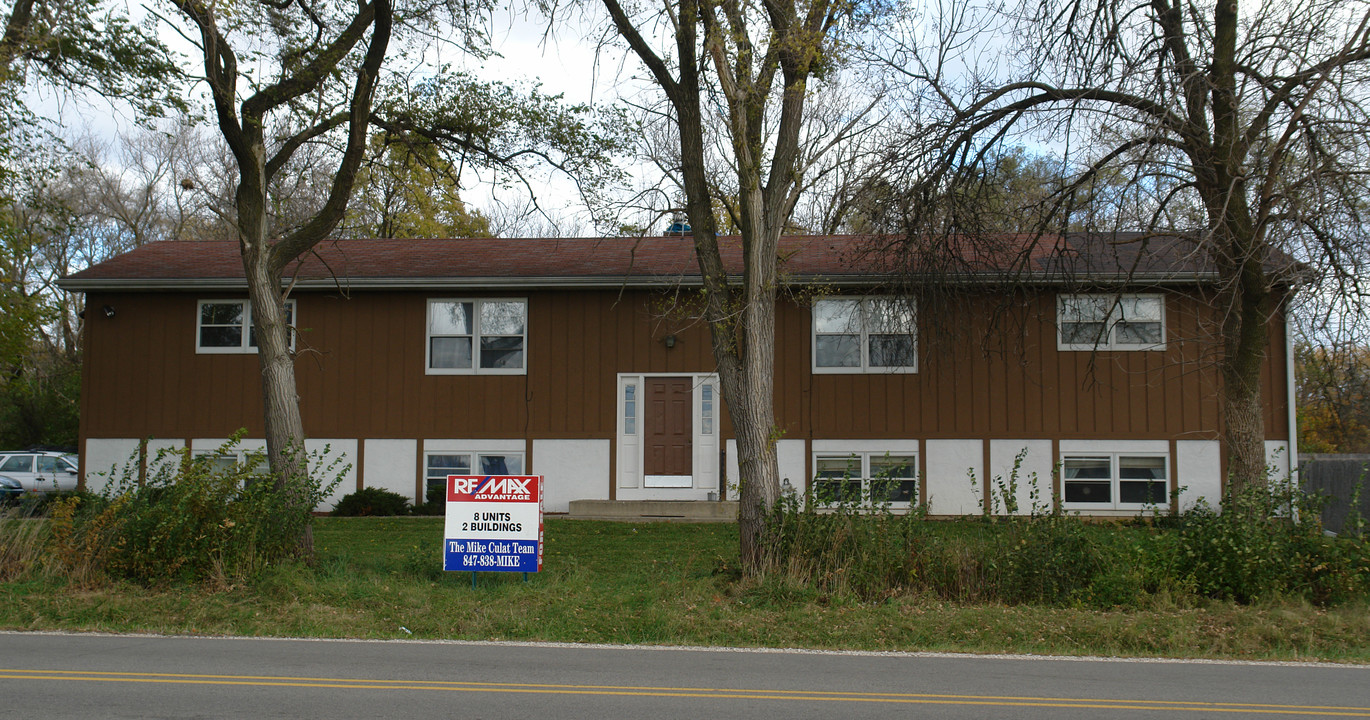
680 226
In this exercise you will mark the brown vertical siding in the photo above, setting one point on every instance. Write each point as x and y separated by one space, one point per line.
361 375
1033 390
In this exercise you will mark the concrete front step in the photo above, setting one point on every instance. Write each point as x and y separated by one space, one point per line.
648 510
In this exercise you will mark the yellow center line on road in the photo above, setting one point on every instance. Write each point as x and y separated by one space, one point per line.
682 692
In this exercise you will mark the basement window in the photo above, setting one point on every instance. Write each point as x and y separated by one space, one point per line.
871 478
439 465
1109 481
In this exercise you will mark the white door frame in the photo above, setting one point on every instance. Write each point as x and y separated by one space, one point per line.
703 477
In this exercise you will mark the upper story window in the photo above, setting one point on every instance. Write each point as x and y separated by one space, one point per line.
863 335
225 326
477 336
1110 322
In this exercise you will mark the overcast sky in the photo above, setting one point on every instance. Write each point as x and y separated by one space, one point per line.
564 62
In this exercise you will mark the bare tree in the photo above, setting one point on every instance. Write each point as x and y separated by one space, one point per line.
328 61
751 63
843 141
1242 123
149 184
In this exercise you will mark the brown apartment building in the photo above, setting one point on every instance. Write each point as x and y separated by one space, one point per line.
581 360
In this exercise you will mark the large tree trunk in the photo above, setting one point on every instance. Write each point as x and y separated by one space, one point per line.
754 423
742 334
283 423
741 320
284 427
1246 338
750 391
1240 256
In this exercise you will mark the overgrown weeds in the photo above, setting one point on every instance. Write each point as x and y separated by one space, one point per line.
614 582
1255 549
1267 542
190 519
22 539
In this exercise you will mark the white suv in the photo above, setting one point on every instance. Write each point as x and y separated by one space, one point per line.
37 471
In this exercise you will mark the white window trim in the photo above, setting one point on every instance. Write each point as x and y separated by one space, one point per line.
244 348
1115 491
240 456
865 453
707 417
474 460
864 368
1106 341
475 368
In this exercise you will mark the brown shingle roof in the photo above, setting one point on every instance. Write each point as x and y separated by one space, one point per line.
633 261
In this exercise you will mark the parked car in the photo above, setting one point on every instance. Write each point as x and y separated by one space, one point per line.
10 490
38 471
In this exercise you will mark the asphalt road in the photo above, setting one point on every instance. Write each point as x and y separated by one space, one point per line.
107 676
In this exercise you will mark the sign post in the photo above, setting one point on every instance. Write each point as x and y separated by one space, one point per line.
494 524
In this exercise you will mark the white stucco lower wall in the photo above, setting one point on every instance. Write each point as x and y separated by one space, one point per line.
949 464
1199 471
1277 461
392 465
105 459
342 449
789 458
1034 473
164 451
475 445
571 470
199 446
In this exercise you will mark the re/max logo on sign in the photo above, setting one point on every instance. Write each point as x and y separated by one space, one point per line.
462 488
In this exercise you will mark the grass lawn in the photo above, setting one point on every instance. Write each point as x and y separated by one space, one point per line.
659 583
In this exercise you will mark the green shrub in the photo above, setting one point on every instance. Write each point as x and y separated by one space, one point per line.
1050 559
1253 549
34 504
191 520
435 502
843 547
1256 548
372 502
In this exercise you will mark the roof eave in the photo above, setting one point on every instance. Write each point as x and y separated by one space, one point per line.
74 284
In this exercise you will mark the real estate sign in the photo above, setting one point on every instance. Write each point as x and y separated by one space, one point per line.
494 523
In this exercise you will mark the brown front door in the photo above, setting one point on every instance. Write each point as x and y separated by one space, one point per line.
667 432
